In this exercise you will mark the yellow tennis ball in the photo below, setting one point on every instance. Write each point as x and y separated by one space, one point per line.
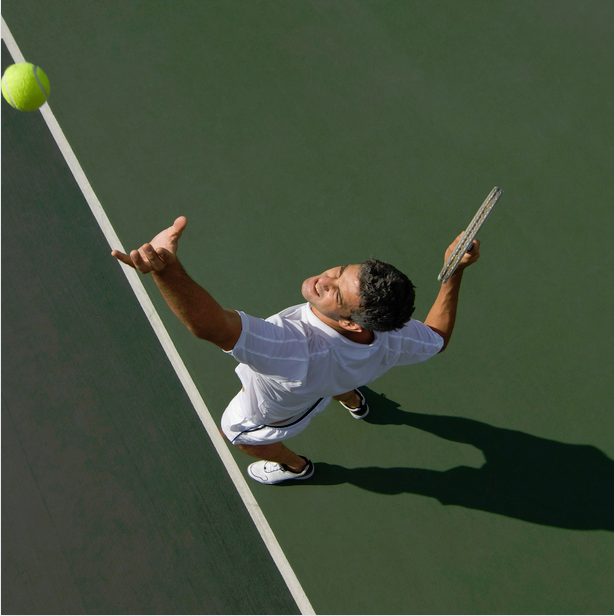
25 86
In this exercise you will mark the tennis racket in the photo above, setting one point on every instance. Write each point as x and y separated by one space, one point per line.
466 241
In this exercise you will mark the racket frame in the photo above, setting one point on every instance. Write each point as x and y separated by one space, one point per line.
466 241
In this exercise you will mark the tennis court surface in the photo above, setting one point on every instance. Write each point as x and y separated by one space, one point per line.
296 137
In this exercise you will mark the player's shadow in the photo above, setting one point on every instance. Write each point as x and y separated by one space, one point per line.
525 477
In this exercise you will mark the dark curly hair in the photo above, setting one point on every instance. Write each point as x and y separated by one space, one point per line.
386 297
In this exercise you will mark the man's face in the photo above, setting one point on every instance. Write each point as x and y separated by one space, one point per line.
334 293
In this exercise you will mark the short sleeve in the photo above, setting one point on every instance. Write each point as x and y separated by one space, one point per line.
416 343
274 347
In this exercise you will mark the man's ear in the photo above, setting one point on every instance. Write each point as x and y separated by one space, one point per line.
350 325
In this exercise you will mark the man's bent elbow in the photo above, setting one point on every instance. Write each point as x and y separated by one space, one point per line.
224 334
445 337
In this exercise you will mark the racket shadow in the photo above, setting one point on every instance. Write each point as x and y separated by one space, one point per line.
525 477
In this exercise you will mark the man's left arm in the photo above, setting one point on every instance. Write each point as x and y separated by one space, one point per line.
442 316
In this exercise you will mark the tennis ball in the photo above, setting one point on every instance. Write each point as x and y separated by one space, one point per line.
25 86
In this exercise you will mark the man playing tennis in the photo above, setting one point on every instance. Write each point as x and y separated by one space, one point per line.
355 326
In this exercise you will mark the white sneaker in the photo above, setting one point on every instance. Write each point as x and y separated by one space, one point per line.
362 411
267 472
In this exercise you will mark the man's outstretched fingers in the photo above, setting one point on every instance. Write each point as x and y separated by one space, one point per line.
156 255
180 224
140 264
154 258
120 256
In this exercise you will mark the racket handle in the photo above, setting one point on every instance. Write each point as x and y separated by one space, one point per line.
470 247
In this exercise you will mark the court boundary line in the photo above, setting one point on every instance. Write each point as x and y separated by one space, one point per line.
252 506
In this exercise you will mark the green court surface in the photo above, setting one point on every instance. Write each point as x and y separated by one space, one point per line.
296 136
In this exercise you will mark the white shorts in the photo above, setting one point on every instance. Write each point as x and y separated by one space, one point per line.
242 431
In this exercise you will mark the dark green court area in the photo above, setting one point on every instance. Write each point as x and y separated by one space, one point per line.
298 136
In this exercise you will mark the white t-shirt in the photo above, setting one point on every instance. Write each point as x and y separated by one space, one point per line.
290 360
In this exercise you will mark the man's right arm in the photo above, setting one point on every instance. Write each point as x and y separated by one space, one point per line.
192 304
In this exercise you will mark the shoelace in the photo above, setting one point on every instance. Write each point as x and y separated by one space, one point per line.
271 467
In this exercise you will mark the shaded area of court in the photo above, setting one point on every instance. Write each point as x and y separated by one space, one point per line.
524 477
299 136
114 500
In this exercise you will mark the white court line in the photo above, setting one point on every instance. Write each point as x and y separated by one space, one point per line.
184 376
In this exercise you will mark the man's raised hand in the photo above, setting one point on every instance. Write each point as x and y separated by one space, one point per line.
469 258
157 254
